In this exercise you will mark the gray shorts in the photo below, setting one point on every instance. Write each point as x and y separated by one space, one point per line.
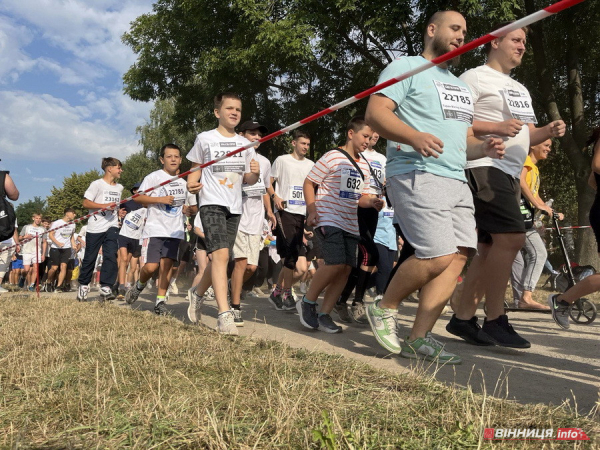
220 227
337 246
435 214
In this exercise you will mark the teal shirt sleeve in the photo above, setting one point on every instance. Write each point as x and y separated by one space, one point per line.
396 92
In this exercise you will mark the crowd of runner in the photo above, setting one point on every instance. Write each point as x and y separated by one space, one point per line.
459 181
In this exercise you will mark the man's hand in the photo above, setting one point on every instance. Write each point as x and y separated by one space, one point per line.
510 127
254 167
556 128
194 188
122 212
168 200
272 219
560 216
377 203
278 202
493 147
427 144
312 218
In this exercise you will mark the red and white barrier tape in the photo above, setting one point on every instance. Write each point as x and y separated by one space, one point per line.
527 20
570 228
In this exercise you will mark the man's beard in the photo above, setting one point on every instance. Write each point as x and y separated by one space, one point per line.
439 48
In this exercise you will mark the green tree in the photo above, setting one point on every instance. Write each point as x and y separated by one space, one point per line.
135 168
25 210
70 194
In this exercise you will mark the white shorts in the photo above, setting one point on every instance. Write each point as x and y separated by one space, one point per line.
144 253
31 258
247 246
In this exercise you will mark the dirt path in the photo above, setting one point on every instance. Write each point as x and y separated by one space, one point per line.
561 366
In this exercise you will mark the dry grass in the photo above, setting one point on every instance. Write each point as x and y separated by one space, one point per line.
81 375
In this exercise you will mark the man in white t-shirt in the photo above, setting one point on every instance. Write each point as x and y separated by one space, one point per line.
503 108
34 249
102 230
288 174
249 241
220 201
163 229
63 240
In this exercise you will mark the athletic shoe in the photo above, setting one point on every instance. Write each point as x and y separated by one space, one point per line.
237 317
503 334
308 314
276 301
132 294
66 287
49 288
383 324
121 292
82 293
258 292
288 303
161 309
378 297
561 311
359 313
174 289
31 288
303 288
194 311
209 294
106 294
327 324
226 324
469 330
429 349
342 311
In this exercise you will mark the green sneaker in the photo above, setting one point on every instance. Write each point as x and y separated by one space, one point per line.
429 349
383 324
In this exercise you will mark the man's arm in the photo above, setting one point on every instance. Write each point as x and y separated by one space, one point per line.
270 215
53 239
309 198
193 181
252 177
381 118
537 135
11 190
146 200
510 127
478 148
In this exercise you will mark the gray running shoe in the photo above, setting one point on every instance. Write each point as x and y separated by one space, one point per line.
327 324
308 314
132 294
342 312
237 317
82 293
194 311
561 311
288 303
106 294
161 309
358 313
226 324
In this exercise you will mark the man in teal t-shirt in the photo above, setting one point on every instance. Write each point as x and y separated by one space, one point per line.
427 121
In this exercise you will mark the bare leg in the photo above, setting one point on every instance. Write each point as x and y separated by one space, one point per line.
584 287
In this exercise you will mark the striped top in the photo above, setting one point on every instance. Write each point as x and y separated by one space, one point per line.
340 188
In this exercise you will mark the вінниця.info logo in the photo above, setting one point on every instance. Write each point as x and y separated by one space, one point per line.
562 434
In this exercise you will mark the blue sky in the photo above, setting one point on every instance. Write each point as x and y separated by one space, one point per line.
61 90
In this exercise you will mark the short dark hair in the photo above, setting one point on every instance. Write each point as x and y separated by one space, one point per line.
357 123
487 47
110 162
218 100
68 210
435 19
300 134
167 146
46 219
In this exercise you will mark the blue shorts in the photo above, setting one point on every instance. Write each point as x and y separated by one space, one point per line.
17 264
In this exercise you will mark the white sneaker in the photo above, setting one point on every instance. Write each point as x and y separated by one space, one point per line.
2 290
174 289
82 292
226 324
194 311
210 293
303 287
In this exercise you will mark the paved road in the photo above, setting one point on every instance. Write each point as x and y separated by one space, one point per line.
561 366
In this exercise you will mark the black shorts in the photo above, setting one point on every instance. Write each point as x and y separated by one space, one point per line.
595 219
289 232
367 225
71 264
160 247
59 256
220 227
200 244
132 245
337 246
496 196
184 252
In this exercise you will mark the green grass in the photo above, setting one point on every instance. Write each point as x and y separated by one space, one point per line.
83 375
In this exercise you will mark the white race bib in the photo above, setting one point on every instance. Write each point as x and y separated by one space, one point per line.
350 184
235 163
254 190
134 221
296 196
377 169
520 105
388 211
111 196
456 102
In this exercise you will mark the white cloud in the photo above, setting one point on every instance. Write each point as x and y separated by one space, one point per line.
43 180
45 128
13 60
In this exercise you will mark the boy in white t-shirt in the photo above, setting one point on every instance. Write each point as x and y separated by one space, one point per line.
33 252
63 240
333 213
220 200
102 230
163 229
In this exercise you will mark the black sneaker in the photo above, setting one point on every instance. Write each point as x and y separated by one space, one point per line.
327 324
288 303
469 330
132 294
308 314
161 309
503 334
276 301
237 317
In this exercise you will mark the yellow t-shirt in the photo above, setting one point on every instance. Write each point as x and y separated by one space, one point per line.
533 176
